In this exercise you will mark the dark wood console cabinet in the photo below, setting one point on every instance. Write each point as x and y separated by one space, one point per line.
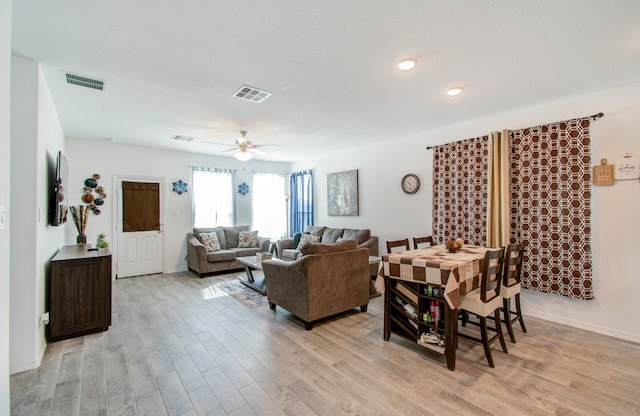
79 293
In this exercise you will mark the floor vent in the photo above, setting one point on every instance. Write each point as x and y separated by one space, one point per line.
182 138
82 81
252 94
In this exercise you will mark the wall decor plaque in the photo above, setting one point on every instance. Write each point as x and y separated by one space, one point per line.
627 170
604 174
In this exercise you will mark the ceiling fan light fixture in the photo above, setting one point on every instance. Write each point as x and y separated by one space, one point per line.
407 64
452 92
243 156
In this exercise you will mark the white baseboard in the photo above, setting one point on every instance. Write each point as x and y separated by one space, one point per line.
23 367
583 325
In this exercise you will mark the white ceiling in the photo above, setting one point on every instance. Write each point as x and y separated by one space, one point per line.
171 67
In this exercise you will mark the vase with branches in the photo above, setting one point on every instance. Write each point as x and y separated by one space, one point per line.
80 214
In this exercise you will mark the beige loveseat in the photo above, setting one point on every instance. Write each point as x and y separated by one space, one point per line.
202 261
326 280
287 251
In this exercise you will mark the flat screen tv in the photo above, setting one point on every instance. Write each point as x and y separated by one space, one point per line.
60 197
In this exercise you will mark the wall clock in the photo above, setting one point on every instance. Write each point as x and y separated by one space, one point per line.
410 183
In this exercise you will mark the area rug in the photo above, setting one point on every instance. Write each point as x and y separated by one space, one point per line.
230 284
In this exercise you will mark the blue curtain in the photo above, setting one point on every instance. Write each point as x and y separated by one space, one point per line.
301 185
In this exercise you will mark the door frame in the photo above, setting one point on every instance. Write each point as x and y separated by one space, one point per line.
118 207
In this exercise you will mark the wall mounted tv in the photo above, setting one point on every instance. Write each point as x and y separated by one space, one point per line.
59 196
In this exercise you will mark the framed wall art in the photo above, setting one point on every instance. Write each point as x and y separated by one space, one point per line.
342 193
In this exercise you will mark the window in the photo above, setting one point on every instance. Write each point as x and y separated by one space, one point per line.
269 208
213 197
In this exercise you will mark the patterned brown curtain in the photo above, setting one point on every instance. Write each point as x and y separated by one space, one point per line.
551 206
460 191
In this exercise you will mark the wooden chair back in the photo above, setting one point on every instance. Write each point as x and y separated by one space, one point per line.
512 273
419 242
391 245
492 269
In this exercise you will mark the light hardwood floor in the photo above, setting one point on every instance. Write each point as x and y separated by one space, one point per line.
174 348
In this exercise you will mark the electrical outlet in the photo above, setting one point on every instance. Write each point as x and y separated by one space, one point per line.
44 318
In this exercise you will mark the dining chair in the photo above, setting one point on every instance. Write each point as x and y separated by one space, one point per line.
511 286
485 301
398 246
420 242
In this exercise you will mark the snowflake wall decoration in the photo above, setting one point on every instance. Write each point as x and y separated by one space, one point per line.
243 189
180 186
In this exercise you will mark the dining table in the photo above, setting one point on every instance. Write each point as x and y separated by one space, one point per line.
457 273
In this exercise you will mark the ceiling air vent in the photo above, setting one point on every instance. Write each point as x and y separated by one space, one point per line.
82 81
251 94
182 138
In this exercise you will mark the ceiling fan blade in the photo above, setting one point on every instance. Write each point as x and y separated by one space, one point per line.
221 144
242 144
265 145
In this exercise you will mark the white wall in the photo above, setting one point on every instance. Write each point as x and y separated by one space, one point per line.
391 214
36 138
5 187
108 159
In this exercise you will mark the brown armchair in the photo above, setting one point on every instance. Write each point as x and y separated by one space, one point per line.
326 280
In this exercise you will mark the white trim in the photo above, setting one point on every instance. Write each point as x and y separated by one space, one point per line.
581 325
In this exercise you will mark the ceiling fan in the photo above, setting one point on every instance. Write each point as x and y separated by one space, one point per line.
245 147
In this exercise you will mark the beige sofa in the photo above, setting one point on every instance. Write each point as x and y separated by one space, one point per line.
326 280
202 262
287 251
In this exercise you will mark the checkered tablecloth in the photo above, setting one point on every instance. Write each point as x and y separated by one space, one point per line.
458 272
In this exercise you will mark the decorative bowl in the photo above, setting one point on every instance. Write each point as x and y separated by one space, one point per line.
453 246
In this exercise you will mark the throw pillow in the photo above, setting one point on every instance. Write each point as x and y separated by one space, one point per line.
232 235
307 239
210 241
248 239
296 239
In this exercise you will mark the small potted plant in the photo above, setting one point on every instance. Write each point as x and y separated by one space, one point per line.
103 247
102 244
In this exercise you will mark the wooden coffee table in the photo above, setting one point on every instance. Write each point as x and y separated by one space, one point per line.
255 275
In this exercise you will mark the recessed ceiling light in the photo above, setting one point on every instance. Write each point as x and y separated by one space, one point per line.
454 91
407 64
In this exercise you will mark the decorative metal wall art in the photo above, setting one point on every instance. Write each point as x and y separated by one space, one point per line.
179 186
243 189
93 194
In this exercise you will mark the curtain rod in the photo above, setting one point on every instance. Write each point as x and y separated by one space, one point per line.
593 117
208 169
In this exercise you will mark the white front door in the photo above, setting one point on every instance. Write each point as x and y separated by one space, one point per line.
139 227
